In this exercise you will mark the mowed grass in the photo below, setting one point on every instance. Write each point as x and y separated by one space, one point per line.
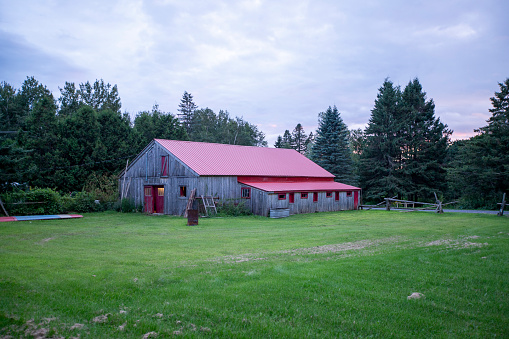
343 274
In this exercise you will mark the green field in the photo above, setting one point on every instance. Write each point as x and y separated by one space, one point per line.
342 274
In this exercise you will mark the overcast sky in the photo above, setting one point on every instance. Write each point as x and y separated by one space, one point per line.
274 63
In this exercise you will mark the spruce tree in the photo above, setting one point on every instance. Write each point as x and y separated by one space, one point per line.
479 170
330 149
425 144
380 164
299 139
186 109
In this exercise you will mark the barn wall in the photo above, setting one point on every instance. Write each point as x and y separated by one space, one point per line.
300 205
146 170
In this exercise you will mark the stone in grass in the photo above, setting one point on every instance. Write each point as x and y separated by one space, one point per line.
76 326
150 335
415 295
101 319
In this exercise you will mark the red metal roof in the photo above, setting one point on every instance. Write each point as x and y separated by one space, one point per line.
309 186
224 160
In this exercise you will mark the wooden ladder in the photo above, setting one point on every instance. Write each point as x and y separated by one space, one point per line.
208 202
190 202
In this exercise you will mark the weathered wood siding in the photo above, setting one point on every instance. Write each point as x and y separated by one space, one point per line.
146 171
300 205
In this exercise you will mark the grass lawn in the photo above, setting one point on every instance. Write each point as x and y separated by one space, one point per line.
341 274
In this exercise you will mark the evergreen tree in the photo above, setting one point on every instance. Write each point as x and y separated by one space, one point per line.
331 150
81 148
10 112
99 96
425 144
287 139
279 142
157 124
299 139
186 109
479 168
380 163
40 139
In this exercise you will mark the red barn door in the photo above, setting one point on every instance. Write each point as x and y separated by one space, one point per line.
355 200
159 199
149 199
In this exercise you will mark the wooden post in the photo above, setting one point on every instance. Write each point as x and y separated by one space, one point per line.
387 204
7 214
439 204
502 205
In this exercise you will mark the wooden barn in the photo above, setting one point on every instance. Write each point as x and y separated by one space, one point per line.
163 175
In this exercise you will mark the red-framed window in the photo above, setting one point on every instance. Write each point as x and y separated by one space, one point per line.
281 196
349 193
183 191
315 197
337 195
148 191
328 194
303 195
164 165
245 193
160 191
291 198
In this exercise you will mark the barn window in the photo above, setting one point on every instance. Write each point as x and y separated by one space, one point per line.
303 195
245 193
328 194
164 166
148 191
291 197
281 196
160 191
349 194
315 197
183 191
337 195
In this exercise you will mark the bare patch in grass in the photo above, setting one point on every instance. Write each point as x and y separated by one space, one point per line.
324 249
457 243
348 246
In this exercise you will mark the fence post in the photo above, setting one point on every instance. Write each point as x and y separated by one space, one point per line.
387 204
502 205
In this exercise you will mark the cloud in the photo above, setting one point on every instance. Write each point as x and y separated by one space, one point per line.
276 63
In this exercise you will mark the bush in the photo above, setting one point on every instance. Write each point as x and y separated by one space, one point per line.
84 202
126 206
35 201
103 187
233 208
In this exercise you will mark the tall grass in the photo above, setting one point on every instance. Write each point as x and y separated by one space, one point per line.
343 274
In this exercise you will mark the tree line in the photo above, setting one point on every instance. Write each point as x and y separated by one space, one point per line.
81 140
406 151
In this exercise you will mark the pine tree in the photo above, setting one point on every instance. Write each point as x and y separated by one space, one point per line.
479 170
279 142
40 139
380 162
299 139
186 109
331 150
425 144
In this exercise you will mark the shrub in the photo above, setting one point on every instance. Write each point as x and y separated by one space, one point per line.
84 202
233 207
126 206
103 187
35 201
